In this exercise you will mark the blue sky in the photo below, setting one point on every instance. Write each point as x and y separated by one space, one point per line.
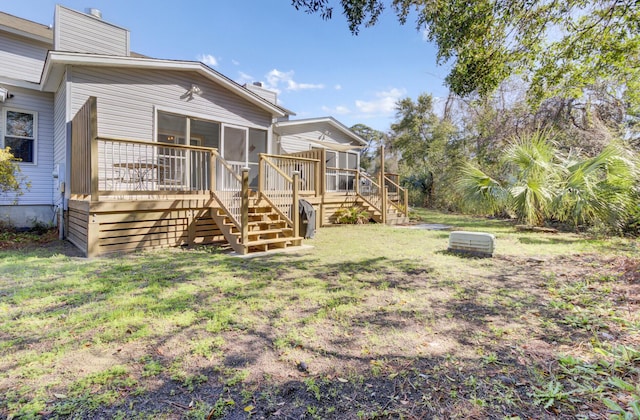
317 66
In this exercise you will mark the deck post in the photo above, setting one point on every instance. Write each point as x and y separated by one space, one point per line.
318 179
323 172
356 187
93 231
93 139
212 171
382 170
244 217
191 228
385 195
406 202
260 174
295 217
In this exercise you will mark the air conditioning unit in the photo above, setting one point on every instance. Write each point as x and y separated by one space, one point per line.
476 243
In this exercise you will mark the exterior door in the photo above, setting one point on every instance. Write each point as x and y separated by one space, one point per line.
242 148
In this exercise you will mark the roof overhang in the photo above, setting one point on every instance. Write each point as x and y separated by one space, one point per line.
57 61
329 120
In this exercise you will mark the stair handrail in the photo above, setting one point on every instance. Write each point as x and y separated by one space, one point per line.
270 177
369 191
228 192
402 203
307 168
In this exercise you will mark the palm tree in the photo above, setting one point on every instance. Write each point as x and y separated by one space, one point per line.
598 189
480 193
539 184
531 179
535 176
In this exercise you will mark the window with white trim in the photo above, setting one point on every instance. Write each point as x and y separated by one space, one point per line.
20 134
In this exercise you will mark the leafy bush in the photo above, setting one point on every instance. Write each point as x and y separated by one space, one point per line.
11 180
351 216
540 184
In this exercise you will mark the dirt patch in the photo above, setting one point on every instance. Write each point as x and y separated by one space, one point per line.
40 239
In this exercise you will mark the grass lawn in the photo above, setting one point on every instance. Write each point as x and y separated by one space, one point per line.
373 322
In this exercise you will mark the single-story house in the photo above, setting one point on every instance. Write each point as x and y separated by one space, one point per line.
125 152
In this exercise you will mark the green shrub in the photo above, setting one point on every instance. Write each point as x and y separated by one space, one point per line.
351 216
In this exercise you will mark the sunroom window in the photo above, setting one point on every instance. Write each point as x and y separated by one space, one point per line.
341 170
20 134
174 129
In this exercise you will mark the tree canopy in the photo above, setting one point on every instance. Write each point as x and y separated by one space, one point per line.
558 47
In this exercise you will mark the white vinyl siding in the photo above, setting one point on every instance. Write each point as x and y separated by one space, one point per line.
39 175
78 32
127 99
20 58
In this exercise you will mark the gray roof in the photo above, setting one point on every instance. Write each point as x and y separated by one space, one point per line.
26 27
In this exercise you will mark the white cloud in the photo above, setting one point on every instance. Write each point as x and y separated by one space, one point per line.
338 87
245 78
235 62
277 80
208 59
338 110
385 102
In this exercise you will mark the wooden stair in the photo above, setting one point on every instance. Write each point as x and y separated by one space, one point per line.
394 217
267 230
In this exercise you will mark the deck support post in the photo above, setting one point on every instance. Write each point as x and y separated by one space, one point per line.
385 196
295 217
356 187
93 232
261 175
191 228
382 168
406 202
323 172
93 147
318 179
383 187
244 216
212 171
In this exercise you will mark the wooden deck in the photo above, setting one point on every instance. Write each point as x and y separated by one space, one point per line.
129 195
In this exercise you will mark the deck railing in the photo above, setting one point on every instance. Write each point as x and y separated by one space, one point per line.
135 168
308 170
318 155
83 132
370 191
276 187
397 196
228 189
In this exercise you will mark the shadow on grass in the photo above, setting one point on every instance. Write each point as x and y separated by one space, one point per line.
106 302
541 240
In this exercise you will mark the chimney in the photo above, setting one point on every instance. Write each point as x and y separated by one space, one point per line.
258 89
96 13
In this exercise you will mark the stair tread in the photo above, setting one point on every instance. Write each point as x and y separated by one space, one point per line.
273 240
284 231
267 222
268 231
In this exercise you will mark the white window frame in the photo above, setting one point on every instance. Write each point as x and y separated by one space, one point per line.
5 112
